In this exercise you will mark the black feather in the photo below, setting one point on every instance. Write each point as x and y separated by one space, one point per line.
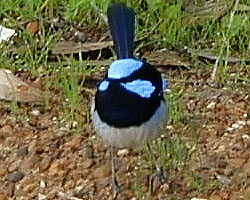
122 26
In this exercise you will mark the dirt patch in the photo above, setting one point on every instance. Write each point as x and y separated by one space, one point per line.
41 160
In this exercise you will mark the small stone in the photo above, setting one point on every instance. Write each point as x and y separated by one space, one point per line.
42 184
87 152
226 182
32 146
235 195
211 105
74 143
126 194
13 166
87 164
237 162
3 170
28 188
235 126
228 171
22 151
35 112
123 152
102 171
215 197
79 191
56 168
30 162
6 131
198 199
3 196
11 189
245 137
16 176
41 196
44 165
243 123
33 27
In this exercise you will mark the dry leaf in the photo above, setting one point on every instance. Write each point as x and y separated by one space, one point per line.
68 47
167 58
33 27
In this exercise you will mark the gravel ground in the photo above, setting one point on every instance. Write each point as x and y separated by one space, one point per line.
41 160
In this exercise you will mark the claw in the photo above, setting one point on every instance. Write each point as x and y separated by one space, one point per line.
157 179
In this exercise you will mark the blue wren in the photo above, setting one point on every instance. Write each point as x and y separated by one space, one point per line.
128 109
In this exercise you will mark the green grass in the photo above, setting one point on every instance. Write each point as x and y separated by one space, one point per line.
69 80
224 35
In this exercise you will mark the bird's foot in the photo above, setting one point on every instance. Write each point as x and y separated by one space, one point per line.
157 179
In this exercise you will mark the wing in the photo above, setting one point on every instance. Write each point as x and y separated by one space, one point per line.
122 26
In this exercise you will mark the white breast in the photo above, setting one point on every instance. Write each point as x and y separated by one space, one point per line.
134 135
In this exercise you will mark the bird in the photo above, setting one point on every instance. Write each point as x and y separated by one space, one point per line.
128 109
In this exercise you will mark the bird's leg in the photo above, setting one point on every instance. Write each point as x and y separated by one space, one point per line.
159 177
114 180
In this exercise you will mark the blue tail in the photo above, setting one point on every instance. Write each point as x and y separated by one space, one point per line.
122 26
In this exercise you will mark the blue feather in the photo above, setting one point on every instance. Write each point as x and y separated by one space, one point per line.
122 26
123 68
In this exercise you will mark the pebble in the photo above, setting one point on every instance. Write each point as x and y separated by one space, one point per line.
123 152
87 152
215 197
42 184
126 194
11 189
56 169
237 162
32 146
226 182
28 188
41 196
102 171
6 131
74 143
16 176
22 151
248 122
87 164
33 27
44 165
3 196
197 199
79 191
30 162
35 112
3 170
211 105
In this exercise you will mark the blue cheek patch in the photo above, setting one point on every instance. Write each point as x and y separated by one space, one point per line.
141 87
123 68
103 86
